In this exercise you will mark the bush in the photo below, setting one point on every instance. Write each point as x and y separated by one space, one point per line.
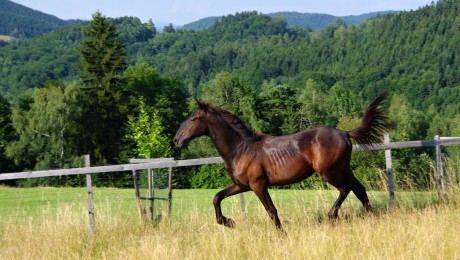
210 176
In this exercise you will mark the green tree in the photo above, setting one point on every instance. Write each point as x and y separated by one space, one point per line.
279 109
163 94
163 99
341 102
132 31
7 135
147 132
169 28
48 130
102 54
312 105
150 26
409 123
211 176
410 166
229 91
103 60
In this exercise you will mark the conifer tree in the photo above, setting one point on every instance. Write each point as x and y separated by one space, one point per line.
103 55
102 60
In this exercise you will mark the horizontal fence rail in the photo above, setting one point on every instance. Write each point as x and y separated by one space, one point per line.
110 168
410 144
141 164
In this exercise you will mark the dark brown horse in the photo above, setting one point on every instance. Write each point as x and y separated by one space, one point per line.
256 161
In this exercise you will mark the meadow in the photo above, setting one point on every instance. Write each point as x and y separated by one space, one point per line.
52 223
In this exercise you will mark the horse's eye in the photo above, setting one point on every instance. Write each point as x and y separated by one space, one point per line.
193 119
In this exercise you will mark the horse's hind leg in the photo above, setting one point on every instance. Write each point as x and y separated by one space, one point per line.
360 192
229 191
334 211
343 182
351 184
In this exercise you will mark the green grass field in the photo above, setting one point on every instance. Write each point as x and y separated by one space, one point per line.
52 223
30 202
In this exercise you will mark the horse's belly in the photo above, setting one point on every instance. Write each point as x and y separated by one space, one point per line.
289 173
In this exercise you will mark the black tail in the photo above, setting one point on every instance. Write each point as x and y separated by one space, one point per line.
373 125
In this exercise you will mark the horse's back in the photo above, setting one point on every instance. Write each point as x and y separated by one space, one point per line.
317 140
328 137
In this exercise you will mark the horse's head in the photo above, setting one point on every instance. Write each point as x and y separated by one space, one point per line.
194 126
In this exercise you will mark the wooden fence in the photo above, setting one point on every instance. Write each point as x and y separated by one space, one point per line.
171 163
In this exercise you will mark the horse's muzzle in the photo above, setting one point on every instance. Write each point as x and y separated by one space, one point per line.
178 142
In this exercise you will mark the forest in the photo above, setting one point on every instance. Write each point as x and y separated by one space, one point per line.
117 88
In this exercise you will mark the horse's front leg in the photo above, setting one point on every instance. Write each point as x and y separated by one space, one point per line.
260 188
227 192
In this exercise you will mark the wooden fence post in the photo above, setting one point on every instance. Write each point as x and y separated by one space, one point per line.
151 197
89 185
243 207
169 193
389 164
439 167
138 194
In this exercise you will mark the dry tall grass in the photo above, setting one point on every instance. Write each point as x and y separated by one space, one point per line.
408 231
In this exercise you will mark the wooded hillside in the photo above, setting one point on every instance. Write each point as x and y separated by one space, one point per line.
311 21
23 22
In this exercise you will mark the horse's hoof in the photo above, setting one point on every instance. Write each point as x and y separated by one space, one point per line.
333 217
230 223
227 222
281 232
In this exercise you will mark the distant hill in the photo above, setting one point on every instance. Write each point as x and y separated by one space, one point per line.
354 19
19 21
316 21
201 24
22 22
312 21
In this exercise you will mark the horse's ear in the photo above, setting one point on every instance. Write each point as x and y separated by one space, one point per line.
201 104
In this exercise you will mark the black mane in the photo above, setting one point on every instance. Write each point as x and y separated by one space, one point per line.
234 121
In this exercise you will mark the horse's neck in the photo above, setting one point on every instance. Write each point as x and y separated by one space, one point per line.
225 137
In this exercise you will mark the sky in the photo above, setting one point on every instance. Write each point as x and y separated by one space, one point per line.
180 12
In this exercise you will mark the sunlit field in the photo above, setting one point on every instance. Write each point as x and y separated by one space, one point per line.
52 223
